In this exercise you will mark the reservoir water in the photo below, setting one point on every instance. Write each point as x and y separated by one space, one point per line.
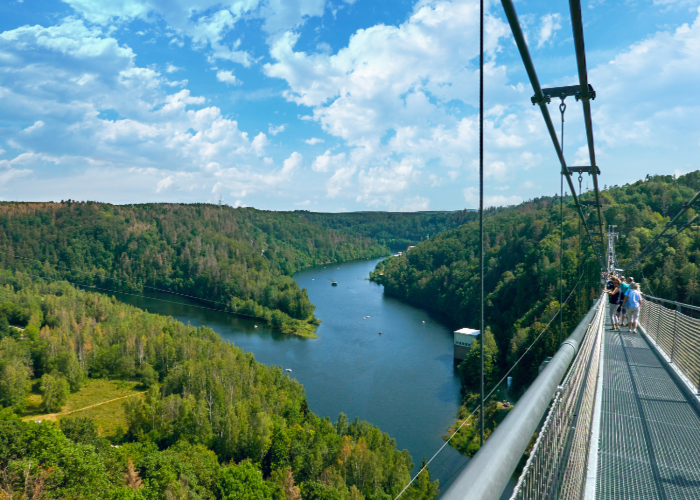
402 380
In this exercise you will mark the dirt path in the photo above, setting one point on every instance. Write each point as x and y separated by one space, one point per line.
53 416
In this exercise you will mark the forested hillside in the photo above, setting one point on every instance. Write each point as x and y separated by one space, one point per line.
640 211
522 249
241 259
395 230
212 424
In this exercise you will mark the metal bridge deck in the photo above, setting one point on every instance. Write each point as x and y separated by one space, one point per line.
649 441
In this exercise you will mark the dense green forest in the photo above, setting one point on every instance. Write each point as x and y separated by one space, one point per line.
522 258
212 424
394 230
238 259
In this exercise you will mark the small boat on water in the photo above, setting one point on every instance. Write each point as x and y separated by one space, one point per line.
334 283
288 370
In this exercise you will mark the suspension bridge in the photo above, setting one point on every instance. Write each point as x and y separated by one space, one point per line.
614 414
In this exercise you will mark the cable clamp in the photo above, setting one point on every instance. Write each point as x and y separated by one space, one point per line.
589 95
545 99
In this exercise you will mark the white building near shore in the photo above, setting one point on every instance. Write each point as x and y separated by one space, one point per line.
463 339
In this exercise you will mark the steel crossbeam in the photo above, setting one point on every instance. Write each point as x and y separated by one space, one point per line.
562 92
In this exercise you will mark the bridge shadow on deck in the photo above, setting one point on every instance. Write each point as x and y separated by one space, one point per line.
649 431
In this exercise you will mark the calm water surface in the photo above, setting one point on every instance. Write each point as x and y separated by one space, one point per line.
402 380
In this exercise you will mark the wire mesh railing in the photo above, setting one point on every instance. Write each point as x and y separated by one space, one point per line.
677 334
556 467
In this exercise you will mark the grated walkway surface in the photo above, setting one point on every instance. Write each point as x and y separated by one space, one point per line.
649 431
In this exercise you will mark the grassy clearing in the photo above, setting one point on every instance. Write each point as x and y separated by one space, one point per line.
101 400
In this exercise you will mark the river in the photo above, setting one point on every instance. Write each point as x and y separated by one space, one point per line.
401 380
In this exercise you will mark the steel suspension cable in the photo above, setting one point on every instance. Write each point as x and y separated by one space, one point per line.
579 267
562 109
577 28
561 255
481 205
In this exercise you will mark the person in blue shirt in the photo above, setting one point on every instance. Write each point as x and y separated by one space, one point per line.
624 288
633 301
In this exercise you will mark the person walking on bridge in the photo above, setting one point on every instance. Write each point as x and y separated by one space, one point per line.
624 288
632 303
614 292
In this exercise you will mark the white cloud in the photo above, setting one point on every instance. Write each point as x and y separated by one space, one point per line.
164 184
12 169
496 170
382 183
11 174
242 182
207 23
415 204
303 203
327 162
291 164
275 130
171 68
341 180
260 143
313 141
282 15
471 196
666 66
63 78
395 82
227 77
551 23
528 159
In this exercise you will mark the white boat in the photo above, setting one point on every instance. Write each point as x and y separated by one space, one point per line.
288 370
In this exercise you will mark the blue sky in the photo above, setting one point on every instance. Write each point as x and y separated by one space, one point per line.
331 105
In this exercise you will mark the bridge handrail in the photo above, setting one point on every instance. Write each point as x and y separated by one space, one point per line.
677 304
487 474
676 334
557 465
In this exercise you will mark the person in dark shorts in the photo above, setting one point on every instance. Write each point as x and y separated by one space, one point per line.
613 290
